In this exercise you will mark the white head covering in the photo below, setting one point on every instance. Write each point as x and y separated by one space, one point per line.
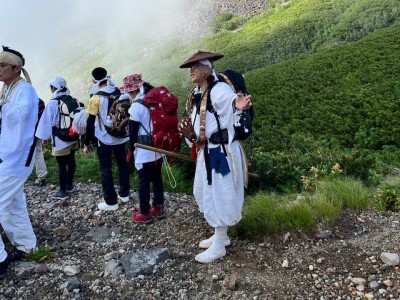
209 64
13 59
59 83
109 80
140 95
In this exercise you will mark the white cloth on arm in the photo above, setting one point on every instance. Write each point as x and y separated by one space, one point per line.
222 201
14 216
139 113
17 130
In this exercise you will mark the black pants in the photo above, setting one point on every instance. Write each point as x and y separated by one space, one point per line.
151 172
66 170
104 152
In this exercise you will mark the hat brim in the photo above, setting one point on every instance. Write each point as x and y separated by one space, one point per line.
200 56
131 88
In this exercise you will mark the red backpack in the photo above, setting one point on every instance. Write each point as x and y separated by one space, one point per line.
163 108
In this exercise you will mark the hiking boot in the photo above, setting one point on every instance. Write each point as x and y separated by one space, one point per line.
158 211
70 188
123 199
15 255
61 195
138 217
105 206
3 268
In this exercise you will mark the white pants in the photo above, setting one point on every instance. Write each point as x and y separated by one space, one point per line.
14 216
40 165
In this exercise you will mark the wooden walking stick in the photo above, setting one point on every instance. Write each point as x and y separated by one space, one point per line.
177 155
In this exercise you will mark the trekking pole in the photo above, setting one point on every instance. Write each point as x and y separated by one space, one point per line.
176 155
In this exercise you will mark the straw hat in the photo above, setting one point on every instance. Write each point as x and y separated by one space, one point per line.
200 55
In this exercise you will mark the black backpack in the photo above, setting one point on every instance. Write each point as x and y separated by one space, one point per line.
117 122
67 108
244 126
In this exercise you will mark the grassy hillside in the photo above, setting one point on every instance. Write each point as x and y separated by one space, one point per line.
350 93
339 105
323 75
301 27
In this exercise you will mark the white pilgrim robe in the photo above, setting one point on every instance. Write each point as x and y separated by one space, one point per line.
19 116
222 201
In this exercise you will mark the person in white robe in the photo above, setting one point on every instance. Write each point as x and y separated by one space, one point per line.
218 183
64 151
19 112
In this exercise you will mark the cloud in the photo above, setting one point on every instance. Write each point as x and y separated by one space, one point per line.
64 37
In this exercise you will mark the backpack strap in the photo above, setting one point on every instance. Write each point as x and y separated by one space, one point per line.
31 151
211 109
140 101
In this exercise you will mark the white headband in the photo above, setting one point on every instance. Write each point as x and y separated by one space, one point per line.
15 60
109 80
206 62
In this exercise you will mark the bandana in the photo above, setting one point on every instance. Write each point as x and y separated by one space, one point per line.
97 82
13 59
59 83
208 63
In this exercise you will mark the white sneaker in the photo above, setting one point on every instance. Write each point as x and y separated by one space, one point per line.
210 254
123 199
105 206
205 244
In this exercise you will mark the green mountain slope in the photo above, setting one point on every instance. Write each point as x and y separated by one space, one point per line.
324 76
350 94
301 27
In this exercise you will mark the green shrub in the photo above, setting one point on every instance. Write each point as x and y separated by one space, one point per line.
268 214
344 192
40 254
265 214
387 197
323 209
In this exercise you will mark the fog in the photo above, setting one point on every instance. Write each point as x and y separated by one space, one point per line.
70 37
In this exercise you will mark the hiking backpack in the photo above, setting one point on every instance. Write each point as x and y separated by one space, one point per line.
117 122
163 107
67 108
244 123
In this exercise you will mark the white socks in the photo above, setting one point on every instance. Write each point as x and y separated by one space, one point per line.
217 248
205 244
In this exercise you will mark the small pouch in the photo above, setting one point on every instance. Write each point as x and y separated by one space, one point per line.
220 137
145 140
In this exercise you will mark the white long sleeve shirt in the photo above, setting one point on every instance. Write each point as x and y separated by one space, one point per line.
19 116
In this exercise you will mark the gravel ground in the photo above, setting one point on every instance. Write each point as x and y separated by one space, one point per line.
335 261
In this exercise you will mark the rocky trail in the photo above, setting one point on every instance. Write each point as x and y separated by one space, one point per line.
105 255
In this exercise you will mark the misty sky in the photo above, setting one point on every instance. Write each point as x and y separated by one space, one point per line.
45 31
